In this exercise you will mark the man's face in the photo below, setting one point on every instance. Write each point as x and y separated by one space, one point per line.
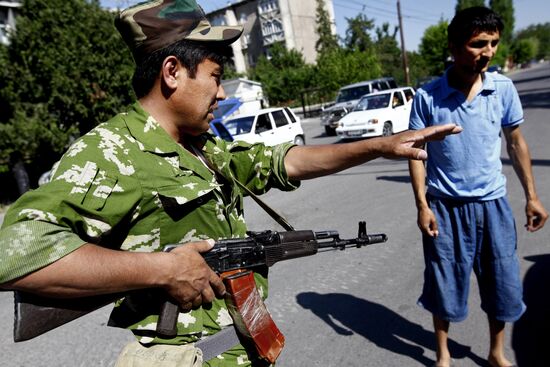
198 97
476 54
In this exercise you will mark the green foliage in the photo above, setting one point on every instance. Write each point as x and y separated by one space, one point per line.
340 67
417 67
327 41
283 76
463 4
434 49
503 54
524 50
389 53
505 8
540 32
357 34
69 70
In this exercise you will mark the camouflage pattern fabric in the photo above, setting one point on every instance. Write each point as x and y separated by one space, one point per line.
128 185
153 25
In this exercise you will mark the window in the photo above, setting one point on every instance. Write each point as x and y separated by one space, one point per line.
263 123
290 114
279 118
397 99
408 94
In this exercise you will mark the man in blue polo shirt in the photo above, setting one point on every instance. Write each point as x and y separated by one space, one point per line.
460 195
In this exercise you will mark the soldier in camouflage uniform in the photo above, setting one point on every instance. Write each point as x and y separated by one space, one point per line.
137 183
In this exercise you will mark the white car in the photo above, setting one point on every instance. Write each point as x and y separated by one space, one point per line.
378 114
270 126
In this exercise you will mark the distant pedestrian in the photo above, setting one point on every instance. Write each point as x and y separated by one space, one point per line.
464 216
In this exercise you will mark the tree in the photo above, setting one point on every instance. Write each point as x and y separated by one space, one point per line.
524 50
505 8
327 40
340 67
389 53
463 4
540 32
434 49
68 70
284 75
357 34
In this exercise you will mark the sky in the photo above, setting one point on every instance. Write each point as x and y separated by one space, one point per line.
417 15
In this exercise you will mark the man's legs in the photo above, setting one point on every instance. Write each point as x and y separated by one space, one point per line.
443 356
496 356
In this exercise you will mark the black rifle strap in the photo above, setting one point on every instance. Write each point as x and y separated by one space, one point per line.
269 210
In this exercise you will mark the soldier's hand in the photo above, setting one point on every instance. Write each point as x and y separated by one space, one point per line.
192 281
408 143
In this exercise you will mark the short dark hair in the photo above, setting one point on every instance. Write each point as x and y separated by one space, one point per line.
189 53
473 21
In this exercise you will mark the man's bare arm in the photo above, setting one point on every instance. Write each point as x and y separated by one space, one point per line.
306 162
519 154
425 218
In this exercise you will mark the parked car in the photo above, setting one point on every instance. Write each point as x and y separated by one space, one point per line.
347 98
270 126
378 114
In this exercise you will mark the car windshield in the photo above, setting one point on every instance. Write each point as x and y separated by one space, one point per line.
240 126
350 94
224 107
373 102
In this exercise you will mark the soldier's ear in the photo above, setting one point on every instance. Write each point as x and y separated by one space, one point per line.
170 71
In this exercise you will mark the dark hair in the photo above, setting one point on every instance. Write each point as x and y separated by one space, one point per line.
189 53
472 21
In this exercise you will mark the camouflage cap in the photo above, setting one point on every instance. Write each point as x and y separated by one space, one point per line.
153 25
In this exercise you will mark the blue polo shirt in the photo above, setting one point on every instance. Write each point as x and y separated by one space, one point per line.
467 166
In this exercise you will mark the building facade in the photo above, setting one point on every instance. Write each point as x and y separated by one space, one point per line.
267 22
8 10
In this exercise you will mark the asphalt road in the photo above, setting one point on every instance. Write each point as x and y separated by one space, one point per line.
355 307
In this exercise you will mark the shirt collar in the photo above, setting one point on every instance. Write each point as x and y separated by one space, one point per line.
488 85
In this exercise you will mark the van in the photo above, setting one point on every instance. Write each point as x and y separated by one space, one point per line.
347 98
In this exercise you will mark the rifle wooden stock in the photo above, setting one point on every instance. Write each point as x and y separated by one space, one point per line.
35 315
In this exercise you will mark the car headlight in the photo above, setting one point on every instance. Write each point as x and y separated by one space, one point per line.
373 121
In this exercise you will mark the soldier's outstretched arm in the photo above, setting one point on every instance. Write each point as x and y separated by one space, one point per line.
310 161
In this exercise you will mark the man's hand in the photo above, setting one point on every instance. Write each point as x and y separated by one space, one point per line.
536 215
427 223
408 144
192 281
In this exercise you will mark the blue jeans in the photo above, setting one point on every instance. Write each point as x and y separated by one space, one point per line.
478 236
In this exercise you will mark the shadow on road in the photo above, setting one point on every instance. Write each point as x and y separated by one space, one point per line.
378 324
534 162
403 178
535 100
530 335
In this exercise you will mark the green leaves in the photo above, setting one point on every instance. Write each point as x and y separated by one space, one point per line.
68 70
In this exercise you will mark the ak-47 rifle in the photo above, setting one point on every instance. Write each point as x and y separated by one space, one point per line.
35 315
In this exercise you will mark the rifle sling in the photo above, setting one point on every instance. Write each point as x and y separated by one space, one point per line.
218 343
269 210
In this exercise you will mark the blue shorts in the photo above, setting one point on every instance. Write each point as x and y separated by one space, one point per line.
479 235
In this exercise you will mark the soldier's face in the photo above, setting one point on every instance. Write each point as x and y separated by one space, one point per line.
476 54
198 97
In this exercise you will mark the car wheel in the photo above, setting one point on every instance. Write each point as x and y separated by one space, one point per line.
299 140
387 130
330 131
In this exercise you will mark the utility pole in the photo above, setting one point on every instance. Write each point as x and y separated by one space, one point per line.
403 51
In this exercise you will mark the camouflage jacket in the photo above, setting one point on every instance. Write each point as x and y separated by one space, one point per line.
128 185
